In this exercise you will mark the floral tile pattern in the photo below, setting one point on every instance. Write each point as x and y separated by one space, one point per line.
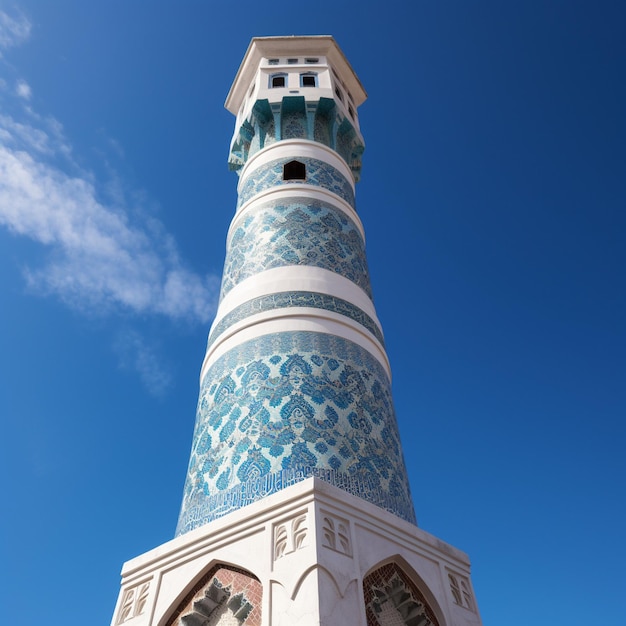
286 406
298 231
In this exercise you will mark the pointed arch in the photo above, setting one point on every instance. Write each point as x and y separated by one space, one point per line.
224 590
394 593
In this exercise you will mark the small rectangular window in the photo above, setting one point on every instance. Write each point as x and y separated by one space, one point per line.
273 61
278 81
311 60
308 80
338 93
292 61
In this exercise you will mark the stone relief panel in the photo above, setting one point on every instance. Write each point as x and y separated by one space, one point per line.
460 589
283 407
133 602
318 173
393 599
336 534
225 596
288 299
290 536
299 231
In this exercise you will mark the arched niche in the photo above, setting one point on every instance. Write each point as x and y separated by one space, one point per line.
223 595
395 595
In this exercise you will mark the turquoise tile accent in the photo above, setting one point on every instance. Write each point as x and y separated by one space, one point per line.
299 231
286 406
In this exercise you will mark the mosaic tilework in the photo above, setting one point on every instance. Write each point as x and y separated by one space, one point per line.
288 299
294 125
300 231
318 173
283 407
322 130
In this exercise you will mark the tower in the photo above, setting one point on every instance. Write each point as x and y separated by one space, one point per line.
296 507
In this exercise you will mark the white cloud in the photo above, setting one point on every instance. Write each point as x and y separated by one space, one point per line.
100 259
13 30
23 90
104 253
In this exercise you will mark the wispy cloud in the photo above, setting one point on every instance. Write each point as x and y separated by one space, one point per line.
104 252
23 90
101 255
13 30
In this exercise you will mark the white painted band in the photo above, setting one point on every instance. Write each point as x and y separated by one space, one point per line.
309 321
296 278
297 190
286 148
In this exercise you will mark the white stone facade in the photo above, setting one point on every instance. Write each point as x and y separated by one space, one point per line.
310 546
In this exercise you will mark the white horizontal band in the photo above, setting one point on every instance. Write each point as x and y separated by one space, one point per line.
297 190
309 322
296 278
295 148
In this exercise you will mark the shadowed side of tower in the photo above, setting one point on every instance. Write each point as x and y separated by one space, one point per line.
296 508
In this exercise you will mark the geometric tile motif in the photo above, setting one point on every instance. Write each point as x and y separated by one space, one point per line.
298 231
286 299
318 173
280 408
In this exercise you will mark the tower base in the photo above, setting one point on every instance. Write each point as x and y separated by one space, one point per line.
308 555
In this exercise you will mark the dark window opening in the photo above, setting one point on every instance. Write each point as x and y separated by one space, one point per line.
278 81
294 170
308 80
311 60
292 61
351 111
338 93
273 61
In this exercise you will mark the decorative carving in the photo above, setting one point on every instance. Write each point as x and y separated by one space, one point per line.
290 536
133 602
391 597
336 534
225 595
459 586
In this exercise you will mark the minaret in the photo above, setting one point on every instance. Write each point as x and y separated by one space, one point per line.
296 507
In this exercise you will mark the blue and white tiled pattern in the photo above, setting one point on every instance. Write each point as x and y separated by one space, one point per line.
290 405
318 173
288 299
299 231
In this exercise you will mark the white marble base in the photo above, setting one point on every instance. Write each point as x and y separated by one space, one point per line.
310 545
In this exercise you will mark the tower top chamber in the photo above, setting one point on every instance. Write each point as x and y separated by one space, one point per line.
283 78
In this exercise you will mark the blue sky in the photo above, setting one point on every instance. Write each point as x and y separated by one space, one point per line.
493 195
